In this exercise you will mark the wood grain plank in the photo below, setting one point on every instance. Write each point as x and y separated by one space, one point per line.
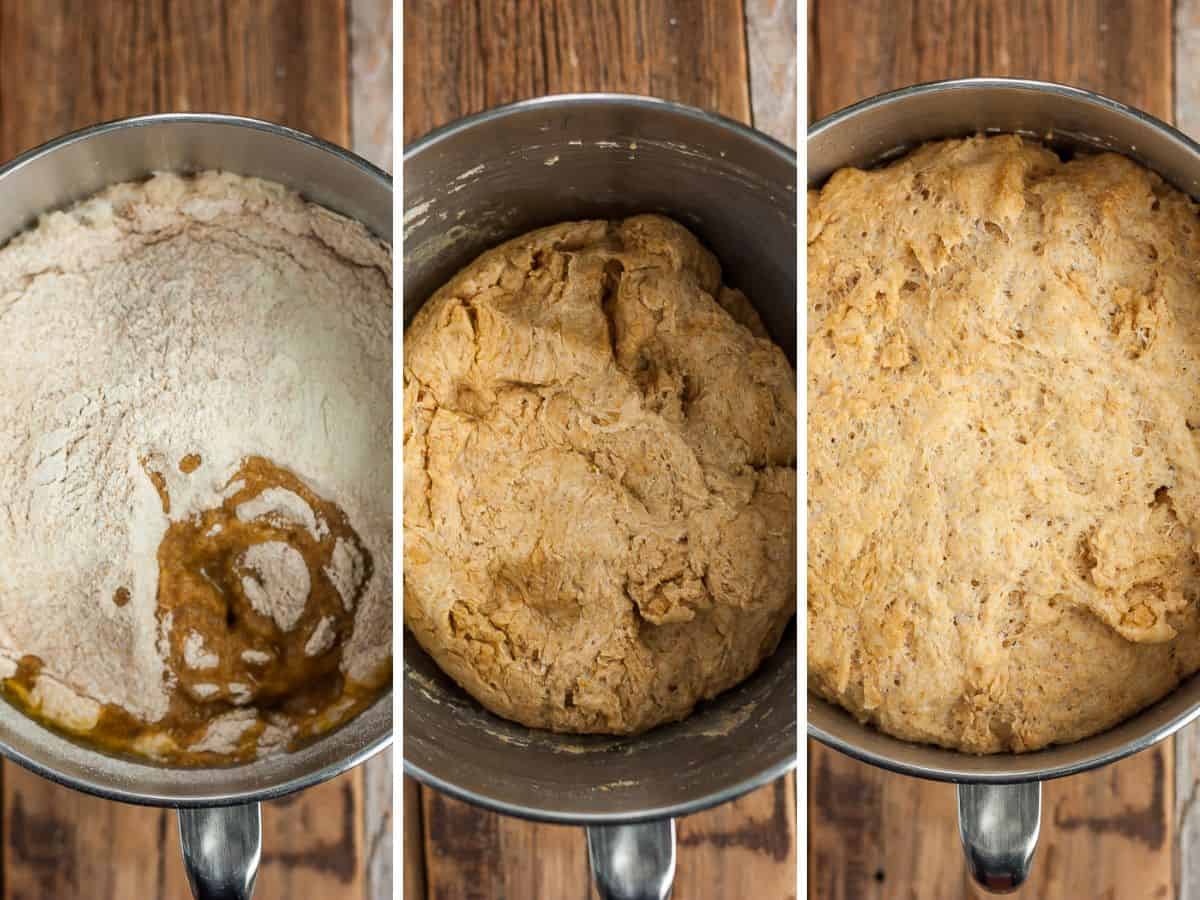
378 829
282 60
463 58
1108 832
862 842
313 843
414 841
54 67
371 80
741 849
1187 66
1121 48
1187 742
60 843
463 852
1187 818
874 835
746 848
475 855
771 49
63 65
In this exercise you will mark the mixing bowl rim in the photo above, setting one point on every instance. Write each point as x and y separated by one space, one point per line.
553 101
86 783
1009 768
232 798
567 817
952 85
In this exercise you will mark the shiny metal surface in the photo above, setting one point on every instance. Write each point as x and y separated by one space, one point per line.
742 740
70 169
491 177
999 825
222 846
633 862
1068 119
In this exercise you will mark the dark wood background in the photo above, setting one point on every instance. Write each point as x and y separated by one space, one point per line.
1124 831
738 58
323 66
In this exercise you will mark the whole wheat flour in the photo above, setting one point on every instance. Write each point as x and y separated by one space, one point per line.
197 396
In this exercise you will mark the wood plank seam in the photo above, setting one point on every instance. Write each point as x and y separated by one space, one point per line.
747 69
417 813
379 840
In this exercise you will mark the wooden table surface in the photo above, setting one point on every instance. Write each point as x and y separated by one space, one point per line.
323 66
1129 831
738 58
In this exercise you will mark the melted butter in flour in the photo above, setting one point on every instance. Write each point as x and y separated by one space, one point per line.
256 598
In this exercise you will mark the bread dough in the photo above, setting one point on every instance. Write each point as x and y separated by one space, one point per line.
599 478
1004 477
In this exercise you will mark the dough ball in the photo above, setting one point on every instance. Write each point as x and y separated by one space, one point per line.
600 483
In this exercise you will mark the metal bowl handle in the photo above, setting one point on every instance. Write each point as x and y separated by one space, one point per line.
999 825
221 849
633 862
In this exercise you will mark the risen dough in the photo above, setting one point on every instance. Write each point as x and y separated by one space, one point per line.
1003 382
599 478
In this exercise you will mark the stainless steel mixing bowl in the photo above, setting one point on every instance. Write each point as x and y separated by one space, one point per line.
491 177
218 808
999 796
